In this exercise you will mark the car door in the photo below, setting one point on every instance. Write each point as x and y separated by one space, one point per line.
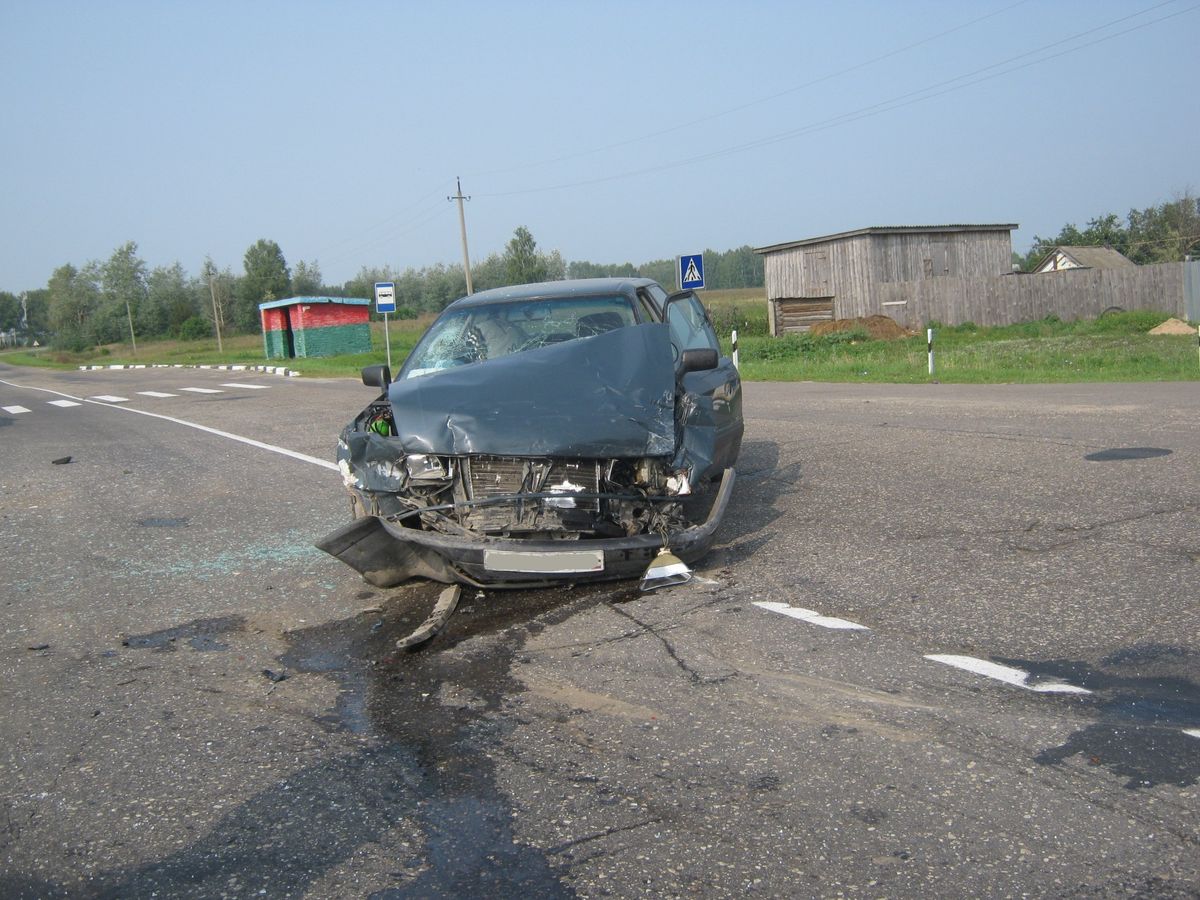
709 407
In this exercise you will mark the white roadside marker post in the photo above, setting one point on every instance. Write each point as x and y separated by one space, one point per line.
736 364
929 339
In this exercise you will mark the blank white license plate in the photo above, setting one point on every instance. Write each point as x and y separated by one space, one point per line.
559 562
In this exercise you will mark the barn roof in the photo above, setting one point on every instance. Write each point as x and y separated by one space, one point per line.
1090 257
884 229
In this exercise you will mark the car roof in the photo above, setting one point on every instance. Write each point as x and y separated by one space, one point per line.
578 287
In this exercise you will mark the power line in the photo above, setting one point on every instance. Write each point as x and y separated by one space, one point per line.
751 103
923 94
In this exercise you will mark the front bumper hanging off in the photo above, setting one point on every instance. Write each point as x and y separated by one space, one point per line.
387 553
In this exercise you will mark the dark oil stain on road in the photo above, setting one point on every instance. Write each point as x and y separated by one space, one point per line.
433 745
202 634
1142 706
1115 454
424 761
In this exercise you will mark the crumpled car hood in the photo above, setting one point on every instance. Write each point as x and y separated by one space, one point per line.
612 395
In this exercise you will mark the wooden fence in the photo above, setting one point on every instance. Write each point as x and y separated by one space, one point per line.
1006 299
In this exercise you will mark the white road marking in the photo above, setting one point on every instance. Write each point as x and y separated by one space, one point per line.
249 387
14 410
813 618
1007 674
110 398
203 390
156 394
76 401
1192 732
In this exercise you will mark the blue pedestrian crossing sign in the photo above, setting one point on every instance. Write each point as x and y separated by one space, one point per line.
691 272
385 296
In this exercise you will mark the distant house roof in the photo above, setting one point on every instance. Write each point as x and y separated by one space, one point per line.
884 229
292 301
1083 258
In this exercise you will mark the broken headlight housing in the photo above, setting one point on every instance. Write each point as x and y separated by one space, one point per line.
423 467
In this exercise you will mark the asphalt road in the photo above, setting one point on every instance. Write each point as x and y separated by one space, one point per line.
198 703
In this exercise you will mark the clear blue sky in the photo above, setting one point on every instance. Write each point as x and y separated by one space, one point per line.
613 131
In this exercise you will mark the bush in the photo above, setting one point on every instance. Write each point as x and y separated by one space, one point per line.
72 340
1137 321
195 329
747 320
791 346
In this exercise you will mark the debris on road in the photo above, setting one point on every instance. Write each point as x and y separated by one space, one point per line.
442 610
274 677
61 461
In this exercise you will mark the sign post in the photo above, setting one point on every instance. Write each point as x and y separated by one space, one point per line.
690 272
385 302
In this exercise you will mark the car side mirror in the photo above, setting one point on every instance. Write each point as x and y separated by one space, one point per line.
377 376
698 359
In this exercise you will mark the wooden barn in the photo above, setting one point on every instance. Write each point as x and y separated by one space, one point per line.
836 276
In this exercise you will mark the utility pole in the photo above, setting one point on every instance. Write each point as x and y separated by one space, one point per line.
129 316
212 290
462 225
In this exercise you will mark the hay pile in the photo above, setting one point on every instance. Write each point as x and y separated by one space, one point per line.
880 328
1173 326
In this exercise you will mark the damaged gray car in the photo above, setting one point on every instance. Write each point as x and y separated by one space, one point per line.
566 431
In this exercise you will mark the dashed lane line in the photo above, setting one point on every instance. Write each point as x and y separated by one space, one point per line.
69 400
14 410
156 394
110 398
813 618
1007 674
195 390
249 387
1192 732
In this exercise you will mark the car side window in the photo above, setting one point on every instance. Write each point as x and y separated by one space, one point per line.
689 325
649 312
657 297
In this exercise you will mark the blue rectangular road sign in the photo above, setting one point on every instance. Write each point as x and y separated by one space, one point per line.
385 296
691 272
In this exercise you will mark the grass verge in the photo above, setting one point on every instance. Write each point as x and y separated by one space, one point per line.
1112 348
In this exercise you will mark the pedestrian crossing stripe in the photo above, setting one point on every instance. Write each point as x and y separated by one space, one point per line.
249 387
14 410
156 394
63 403
203 390
110 398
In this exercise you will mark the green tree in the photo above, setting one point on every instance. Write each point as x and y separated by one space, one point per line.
306 279
522 262
122 293
10 311
267 278
37 311
72 297
1165 233
171 299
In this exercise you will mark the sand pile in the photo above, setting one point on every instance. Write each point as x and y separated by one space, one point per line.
880 328
1171 326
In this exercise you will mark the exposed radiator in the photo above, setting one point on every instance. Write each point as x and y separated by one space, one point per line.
495 476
